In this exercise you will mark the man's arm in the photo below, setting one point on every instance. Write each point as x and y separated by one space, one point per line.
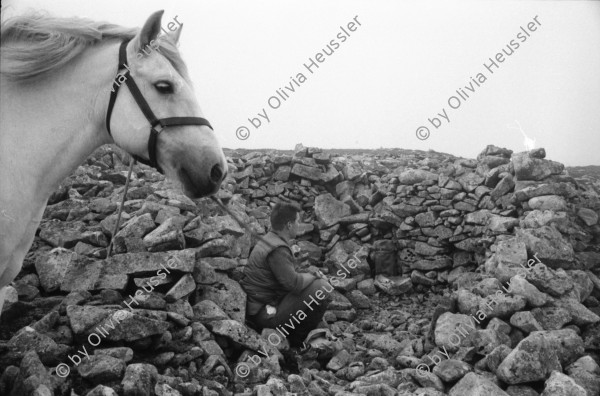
281 263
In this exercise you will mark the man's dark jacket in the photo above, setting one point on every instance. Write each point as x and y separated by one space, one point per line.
271 274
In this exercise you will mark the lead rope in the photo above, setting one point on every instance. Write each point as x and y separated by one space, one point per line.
217 200
109 249
239 221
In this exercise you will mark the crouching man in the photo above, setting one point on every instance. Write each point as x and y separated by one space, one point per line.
278 296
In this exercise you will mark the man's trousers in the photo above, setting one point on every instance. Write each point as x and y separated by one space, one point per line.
288 319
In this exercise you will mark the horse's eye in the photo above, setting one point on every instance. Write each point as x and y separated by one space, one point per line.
164 87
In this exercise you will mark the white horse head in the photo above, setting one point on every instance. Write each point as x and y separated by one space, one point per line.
190 154
81 55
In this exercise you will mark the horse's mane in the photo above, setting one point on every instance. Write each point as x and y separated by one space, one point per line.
52 42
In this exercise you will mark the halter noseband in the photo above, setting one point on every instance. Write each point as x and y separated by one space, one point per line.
143 105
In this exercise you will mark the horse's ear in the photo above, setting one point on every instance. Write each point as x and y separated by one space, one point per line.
150 30
174 36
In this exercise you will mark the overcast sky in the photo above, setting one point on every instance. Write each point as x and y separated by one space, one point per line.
398 69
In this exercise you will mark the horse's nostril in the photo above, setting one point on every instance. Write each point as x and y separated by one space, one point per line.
216 173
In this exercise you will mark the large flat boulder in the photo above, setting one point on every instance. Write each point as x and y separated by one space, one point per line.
329 210
549 246
527 168
476 385
542 352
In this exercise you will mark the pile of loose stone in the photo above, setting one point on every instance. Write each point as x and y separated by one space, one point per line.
507 244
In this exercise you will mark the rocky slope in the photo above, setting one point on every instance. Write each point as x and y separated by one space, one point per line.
464 277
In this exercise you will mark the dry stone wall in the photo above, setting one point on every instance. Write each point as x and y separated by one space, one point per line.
508 241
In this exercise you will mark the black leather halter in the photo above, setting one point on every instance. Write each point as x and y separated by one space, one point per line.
155 123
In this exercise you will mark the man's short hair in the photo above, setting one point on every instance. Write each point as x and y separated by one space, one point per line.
282 213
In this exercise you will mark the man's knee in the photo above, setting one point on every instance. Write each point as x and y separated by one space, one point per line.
253 322
320 289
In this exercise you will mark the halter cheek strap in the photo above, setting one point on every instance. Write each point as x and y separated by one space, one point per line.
156 125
